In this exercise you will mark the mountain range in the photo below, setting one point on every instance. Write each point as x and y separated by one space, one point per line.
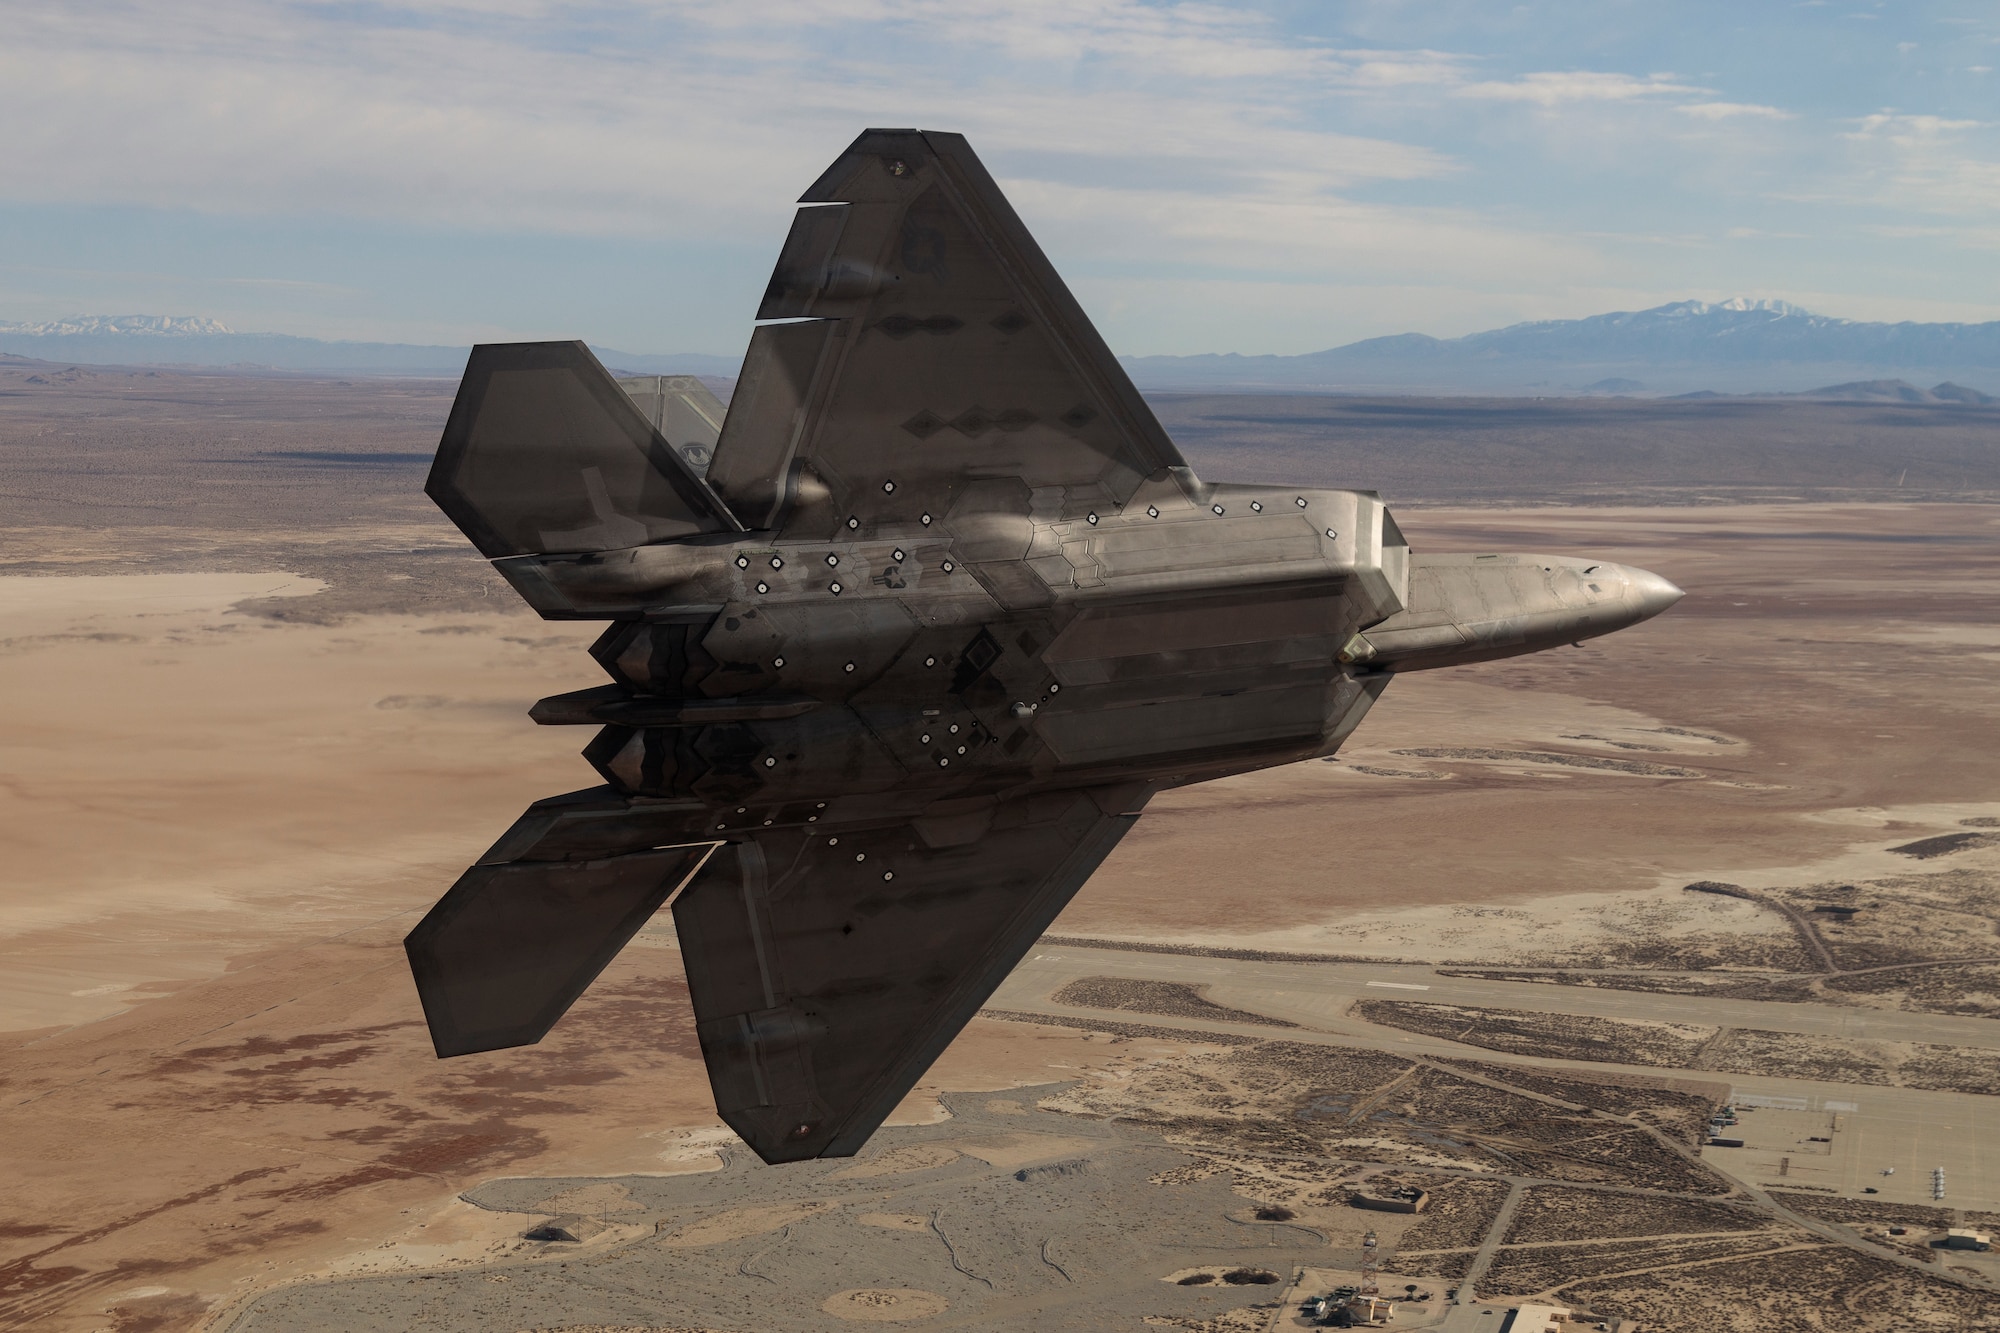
1738 346
175 340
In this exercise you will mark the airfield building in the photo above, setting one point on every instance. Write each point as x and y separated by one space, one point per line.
1407 1200
1538 1319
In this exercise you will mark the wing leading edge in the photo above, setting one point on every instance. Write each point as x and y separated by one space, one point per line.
524 932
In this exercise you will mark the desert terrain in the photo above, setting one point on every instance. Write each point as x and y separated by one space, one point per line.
263 704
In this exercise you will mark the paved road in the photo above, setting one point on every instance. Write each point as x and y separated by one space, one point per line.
1878 1127
1476 1272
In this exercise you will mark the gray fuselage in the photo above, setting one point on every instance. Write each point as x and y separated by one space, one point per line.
1195 631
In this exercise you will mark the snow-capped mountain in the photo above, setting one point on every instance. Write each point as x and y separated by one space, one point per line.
1740 345
139 326
1733 331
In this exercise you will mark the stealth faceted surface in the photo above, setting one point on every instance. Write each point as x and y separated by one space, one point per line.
948 609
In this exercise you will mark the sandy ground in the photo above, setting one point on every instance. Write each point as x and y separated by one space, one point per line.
1835 664
217 828
181 781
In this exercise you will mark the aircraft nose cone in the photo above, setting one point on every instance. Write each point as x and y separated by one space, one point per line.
1652 593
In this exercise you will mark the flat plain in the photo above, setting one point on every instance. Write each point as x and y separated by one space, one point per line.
262 704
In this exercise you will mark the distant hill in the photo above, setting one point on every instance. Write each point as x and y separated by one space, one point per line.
1738 346
171 340
1868 391
1896 391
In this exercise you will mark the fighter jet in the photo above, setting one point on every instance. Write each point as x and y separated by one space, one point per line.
900 653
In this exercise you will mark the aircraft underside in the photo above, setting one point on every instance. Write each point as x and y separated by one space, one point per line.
900 653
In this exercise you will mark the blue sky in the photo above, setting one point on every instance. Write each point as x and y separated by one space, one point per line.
1279 177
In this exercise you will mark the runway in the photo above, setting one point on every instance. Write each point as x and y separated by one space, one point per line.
1869 1128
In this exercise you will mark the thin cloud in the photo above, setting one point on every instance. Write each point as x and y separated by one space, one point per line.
1895 126
1302 235
1177 146
1732 111
1928 165
1377 70
1553 89
442 120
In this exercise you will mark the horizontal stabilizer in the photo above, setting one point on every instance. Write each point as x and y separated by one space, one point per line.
544 453
505 953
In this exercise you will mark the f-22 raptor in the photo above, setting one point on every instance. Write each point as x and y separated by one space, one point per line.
901 651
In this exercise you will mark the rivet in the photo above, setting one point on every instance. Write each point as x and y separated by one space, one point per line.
848 667
777 562
888 487
812 819
833 588
954 728
820 806
763 586
1054 688
961 749
770 761
1300 502
897 555
742 809
861 856
1152 511
1331 533
1256 507
853 522
778 662
924 739
930 661
1215 509
888 875
924 519
743 562
1091 519
943 762
831 560
833 842
948 566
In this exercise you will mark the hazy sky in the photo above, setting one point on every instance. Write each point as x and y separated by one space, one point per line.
1258 178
